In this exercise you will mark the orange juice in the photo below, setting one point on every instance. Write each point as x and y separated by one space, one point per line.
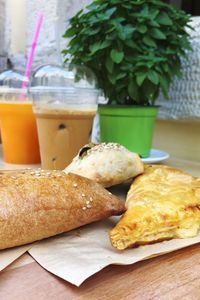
19 132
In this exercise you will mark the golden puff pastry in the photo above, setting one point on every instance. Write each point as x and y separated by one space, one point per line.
108 164
162 204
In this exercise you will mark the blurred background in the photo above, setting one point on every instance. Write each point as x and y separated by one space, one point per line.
18 18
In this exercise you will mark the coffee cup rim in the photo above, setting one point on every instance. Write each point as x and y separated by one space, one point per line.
67 90
8 90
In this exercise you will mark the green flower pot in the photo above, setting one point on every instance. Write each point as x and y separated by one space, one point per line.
131 126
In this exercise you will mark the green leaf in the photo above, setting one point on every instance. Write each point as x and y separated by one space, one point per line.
149 41
92 6
112 78
117 21
140 77
117 55
153 76
164 85
145 11
94 20
149 90
109 64
111 36
128 29
120 76
164 19
136 3
158 34
125 32
104 16
154 12
153 23
95 47
131 44
90 31
150 64
127 5
166 67
73 49
133 90
112 1
76 16
96 6
141 28
110 11
69 32
98 46
111 29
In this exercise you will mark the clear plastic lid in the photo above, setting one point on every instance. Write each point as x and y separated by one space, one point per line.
10 79
69 77
69 87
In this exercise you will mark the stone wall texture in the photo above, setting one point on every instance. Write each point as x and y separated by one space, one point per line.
2 26
56 14
50 43
3 57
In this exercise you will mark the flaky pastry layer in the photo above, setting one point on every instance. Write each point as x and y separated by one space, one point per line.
163 203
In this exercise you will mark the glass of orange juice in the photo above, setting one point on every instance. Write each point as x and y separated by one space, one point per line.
18 127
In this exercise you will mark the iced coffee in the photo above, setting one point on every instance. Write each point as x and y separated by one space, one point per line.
64 102
62 132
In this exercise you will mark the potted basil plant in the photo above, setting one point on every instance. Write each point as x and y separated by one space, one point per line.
134 49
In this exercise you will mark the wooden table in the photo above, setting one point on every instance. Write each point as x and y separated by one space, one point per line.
172 276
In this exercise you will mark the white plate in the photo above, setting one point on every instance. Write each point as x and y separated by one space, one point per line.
155 156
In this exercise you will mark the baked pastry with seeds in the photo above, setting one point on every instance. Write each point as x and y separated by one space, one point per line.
108 164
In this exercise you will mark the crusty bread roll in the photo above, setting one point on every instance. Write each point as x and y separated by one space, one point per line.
36 204
108 164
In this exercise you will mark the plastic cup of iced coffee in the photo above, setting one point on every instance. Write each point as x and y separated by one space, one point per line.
64 117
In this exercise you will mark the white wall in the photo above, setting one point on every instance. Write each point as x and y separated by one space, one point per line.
2 27
2 36
15 31
20 20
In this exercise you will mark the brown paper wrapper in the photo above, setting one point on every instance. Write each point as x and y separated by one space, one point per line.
78 254
10 255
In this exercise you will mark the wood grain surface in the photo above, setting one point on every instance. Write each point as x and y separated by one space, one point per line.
172 276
